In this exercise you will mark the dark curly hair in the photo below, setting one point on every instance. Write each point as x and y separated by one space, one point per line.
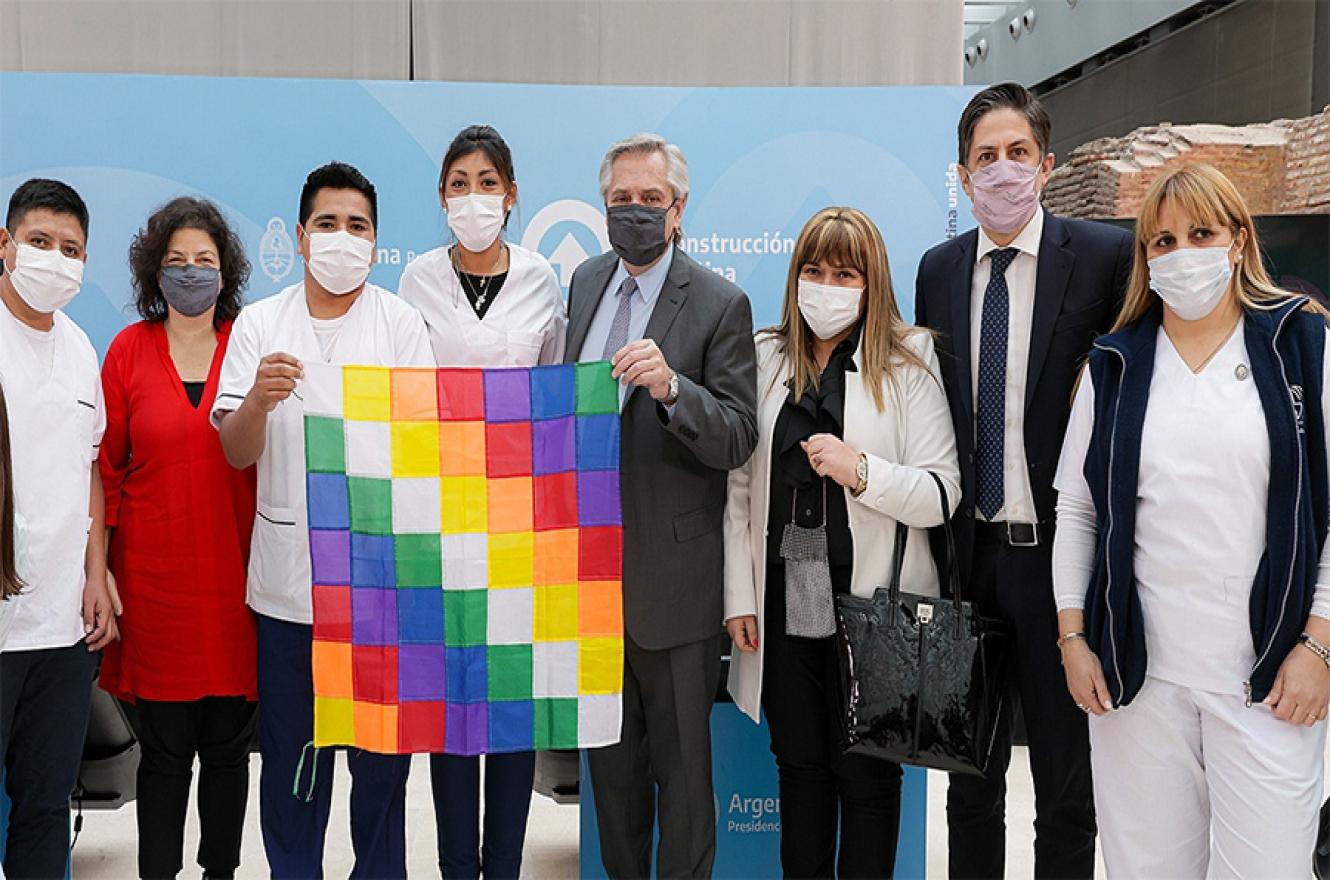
149 247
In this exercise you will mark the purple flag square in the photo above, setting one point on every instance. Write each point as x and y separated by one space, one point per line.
420 672
598 498
554 446
373 616
507 395
330 557
466 729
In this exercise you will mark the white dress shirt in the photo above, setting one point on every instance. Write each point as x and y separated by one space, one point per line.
378 329
649 284
524 326
1017 497
1201 506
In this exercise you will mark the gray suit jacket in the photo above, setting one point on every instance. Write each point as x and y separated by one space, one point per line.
674 470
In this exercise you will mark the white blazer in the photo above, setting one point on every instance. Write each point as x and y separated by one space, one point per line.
910 437
523 327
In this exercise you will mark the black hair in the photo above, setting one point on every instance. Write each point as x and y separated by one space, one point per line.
480 139
52 195
1009 95
149 247
9 579
337 175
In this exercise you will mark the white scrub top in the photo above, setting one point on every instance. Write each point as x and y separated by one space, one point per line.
525 325
1201 502
56 418
379 329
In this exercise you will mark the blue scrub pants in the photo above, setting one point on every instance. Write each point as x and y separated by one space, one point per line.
295 784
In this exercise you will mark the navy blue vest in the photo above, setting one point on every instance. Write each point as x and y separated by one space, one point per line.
1286 347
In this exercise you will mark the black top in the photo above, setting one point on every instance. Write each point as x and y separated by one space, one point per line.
795 488
194 391
478 286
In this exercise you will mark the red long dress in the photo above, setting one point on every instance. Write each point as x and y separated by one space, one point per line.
182 518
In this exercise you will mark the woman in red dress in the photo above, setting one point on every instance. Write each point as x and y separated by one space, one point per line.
179 520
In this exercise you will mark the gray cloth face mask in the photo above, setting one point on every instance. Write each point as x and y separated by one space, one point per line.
190 290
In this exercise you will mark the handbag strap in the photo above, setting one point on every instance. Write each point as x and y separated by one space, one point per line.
952 576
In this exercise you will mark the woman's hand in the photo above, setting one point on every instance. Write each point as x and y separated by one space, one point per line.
743 629
1302 688
830 457
1085 678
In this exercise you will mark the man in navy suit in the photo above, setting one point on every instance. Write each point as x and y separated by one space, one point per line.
1016 305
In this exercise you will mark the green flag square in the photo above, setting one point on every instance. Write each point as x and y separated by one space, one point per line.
597 392
325 445
419 560
509 668
556 724
371 503
465 618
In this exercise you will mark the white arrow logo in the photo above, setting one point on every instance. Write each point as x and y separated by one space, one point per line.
567 257
569 253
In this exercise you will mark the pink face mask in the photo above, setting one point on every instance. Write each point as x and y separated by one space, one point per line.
1004 198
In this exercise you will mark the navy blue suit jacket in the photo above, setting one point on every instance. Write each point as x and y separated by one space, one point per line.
1081 278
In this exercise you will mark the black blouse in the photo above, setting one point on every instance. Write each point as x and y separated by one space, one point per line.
796 490
474 284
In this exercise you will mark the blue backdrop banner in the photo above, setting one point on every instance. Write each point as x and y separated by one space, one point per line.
762 160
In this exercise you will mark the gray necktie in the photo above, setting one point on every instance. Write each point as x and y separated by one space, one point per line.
623 315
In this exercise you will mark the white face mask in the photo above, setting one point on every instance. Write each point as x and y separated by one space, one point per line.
46 280
476 220
1191 281
339 260
828 309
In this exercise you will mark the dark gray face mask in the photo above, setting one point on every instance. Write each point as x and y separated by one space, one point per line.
190 290
637 232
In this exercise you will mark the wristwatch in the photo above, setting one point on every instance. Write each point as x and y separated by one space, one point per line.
673 397
861 471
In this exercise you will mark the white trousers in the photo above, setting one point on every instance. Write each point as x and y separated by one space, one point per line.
1192 784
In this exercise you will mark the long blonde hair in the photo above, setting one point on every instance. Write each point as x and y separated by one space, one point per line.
845 237
1206 196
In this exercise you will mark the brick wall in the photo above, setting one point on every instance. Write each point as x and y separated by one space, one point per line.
1281 167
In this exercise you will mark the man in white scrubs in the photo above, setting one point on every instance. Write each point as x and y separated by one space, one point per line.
332 316
63 616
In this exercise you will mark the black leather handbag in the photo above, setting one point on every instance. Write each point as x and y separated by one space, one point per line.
922 677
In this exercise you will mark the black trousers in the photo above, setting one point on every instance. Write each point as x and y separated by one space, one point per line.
1015 583
455 780
821 788
218 730
662 761
44 701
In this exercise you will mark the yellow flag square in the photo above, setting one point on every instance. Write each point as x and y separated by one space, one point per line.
511 559
465 508
415 449
367 393
334 721
600 666
556 613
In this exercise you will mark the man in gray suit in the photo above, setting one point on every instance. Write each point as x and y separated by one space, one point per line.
681 340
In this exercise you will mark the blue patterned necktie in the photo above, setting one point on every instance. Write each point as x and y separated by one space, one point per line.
991 403
623 316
